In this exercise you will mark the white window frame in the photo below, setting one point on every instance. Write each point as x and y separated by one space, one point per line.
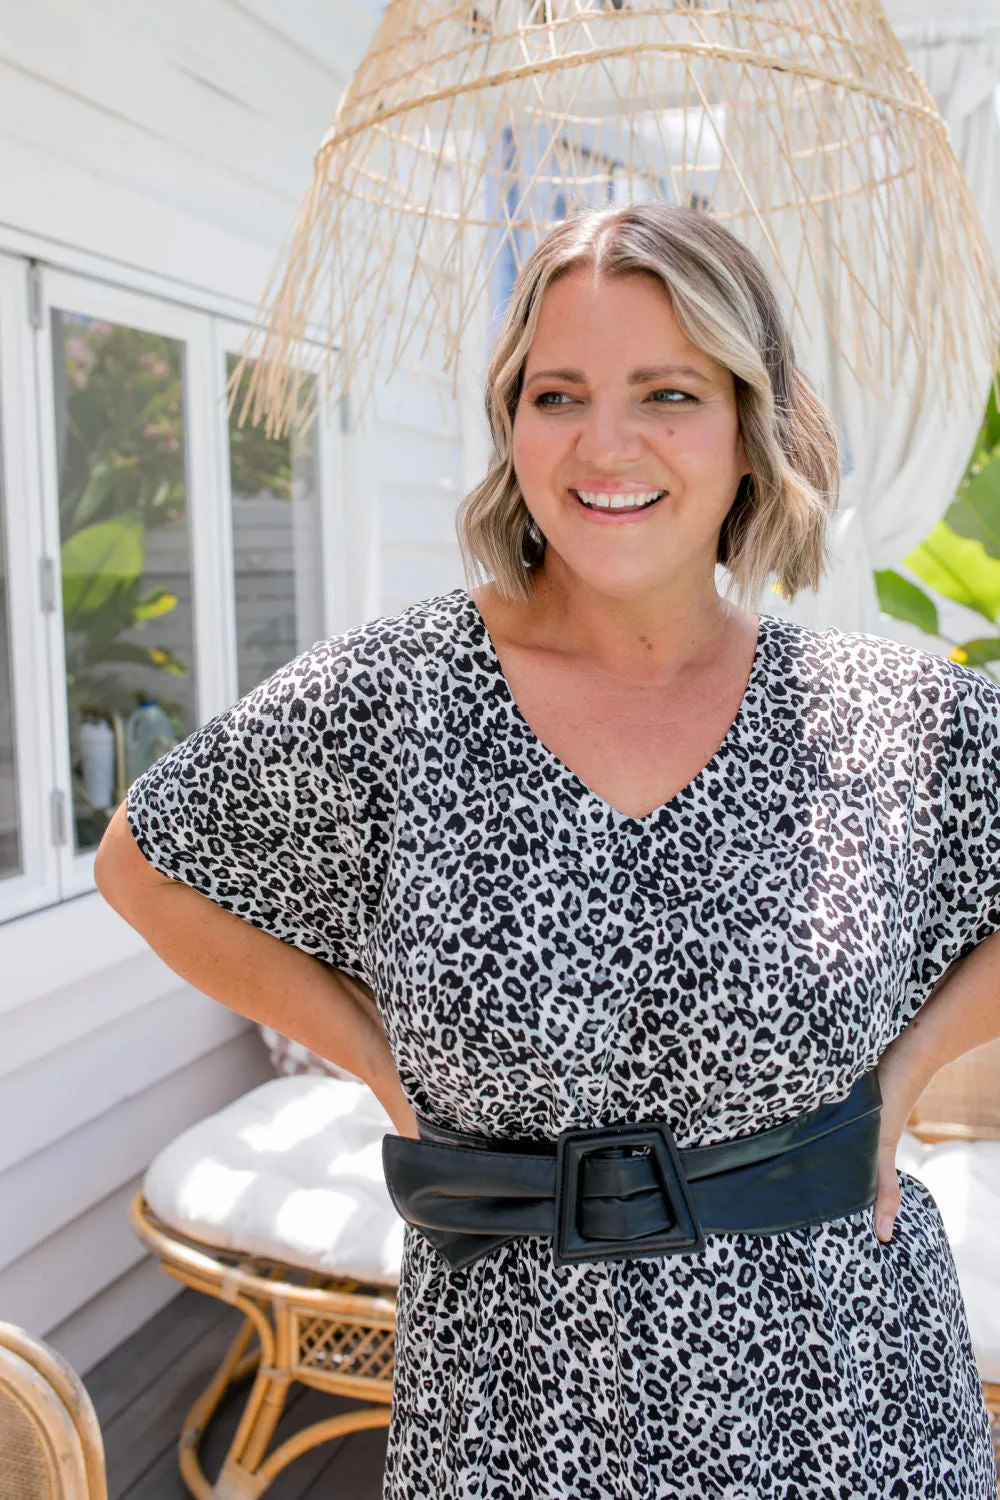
78 294
230 338
28 593
53 870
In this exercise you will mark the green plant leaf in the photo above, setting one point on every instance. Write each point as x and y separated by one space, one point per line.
159 602
898 597
990 434
98 560
96 491
975 512
978 652
158 657
164 660
958 567
121 651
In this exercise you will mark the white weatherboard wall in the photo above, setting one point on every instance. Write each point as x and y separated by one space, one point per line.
163 145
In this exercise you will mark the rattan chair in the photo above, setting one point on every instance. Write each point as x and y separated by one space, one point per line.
50 1441
277 1204
331 1333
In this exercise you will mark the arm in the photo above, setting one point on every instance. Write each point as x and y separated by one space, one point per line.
250 971
962 1012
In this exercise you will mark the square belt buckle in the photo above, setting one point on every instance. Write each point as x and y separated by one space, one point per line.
572 1146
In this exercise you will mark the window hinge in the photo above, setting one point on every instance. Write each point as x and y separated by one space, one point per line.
47 584
57 807
36 301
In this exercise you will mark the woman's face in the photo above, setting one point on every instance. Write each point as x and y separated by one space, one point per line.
626 442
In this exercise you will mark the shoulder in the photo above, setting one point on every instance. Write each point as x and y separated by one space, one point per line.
936 687
383 659
864 665
868 692
400 645
420 632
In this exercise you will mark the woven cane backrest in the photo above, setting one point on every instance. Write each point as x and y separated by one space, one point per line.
50 1443
27 1462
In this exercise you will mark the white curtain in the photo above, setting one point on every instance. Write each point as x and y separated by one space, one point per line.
903 461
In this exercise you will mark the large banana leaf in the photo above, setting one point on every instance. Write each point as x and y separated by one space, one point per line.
97 560
959 568
905 601
975 513
978 652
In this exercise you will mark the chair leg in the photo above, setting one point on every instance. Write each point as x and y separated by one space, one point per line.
323 1432
238 1479
235 1365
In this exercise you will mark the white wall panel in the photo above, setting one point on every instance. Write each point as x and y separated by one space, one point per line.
91 61
414 401
79 1008
41 115
65 1271
78 1083
336 32
54 948
57 201
107 1320
420 517
229 50
97 1158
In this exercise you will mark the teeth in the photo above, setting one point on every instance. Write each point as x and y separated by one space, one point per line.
600 500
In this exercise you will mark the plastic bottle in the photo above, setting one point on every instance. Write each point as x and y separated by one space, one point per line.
148 735
97 754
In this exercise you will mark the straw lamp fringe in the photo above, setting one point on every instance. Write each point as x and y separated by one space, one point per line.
471 129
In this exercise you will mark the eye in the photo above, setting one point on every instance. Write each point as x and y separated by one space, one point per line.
671 397
551 399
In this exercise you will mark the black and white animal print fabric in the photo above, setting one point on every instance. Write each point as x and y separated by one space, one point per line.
542 961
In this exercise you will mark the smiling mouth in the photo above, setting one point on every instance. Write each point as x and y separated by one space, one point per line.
621 504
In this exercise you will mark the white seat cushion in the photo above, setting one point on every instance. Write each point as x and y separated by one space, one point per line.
293 1170
964 1180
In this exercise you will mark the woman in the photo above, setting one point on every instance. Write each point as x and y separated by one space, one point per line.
592 847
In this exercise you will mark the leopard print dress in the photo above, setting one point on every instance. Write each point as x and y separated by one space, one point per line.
542 961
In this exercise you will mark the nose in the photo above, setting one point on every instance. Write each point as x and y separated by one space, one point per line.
608 436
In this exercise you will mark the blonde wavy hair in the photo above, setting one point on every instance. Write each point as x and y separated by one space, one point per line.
725 304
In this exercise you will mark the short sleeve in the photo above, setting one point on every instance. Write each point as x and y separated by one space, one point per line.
253 810
956 893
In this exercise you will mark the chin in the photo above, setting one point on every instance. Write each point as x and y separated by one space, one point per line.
615 583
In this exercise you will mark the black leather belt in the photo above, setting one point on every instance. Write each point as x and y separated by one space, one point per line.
627 1190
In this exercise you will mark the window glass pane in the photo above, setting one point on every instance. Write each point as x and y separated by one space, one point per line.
126 567
10 842
276 543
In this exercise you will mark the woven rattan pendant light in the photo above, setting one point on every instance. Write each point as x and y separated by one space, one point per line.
470 129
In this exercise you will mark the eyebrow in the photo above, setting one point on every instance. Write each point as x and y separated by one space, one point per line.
637 377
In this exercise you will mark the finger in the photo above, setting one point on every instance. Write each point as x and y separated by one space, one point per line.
887 1200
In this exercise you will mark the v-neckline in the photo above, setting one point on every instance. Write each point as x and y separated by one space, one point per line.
689 790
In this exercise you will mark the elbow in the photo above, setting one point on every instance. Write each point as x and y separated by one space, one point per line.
107 865
121 871
104 869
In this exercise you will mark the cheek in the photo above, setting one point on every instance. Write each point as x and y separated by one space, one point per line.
707 454
534 450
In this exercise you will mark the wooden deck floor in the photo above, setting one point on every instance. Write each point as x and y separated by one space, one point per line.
143 1390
